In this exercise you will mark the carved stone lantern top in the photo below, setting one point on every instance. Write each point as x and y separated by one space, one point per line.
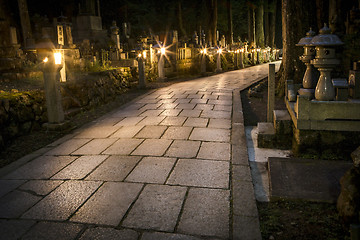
306 40
325 38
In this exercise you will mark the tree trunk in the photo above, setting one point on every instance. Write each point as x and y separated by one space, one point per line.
272 22
212 21
266 23
292 31
260 24
180 20
251 23
229 37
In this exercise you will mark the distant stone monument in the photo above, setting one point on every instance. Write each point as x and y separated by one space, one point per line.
88 25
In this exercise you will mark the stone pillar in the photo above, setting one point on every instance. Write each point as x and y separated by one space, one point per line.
142 77
203 63
25 21
161 69
241 65
218 62
271 93
52 91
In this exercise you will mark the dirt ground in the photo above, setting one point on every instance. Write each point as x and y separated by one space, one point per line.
289 219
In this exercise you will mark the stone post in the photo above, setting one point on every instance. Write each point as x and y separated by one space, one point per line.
241 65
142 78
236 59
218 61
271 93
203 63
54 107
161 69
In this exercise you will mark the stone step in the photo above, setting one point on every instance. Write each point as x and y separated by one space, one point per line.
266 135
282 122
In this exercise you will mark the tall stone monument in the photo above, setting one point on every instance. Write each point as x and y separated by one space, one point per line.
88 25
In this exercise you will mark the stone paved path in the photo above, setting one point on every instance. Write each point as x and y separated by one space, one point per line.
171 164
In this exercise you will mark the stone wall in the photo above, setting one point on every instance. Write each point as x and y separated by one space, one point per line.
23 112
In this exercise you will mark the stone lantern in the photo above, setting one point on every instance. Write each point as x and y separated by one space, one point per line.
310 79
325 61
51 65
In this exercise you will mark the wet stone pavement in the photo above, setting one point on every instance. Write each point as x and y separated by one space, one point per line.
171 164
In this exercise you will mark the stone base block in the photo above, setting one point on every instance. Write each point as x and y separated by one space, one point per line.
266 135
282 122
57 126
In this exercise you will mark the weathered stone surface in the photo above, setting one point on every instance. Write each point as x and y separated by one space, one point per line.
157 208
152 147
173 121
166 236
81 167
127 132
206 213
41 187
152 121
196 122
152 170
16 203
14 229
220 123
246 228
214 151
62 203
200 173
7 186
123 146
129 121
53 230
95 146
183 149
216 114
244 199
109 204
151 132
207 134
41 168
115 168
97 131
181 133
100 233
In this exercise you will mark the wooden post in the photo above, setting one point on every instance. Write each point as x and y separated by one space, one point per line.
271 93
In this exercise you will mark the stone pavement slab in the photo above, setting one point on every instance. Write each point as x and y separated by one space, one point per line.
212 135
206 213
53 230
100 233
63 202
152 170
152 147
180 133
157 208
81 167
95 146
109 204
166 236
215 151
68 147
183 149
16 203
127 132
14 229
115 168
7 186
41 187
123 146
41 168
200 173
151 132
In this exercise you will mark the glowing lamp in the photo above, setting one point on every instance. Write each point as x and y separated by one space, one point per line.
57 57
162 51
46 59
144 54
